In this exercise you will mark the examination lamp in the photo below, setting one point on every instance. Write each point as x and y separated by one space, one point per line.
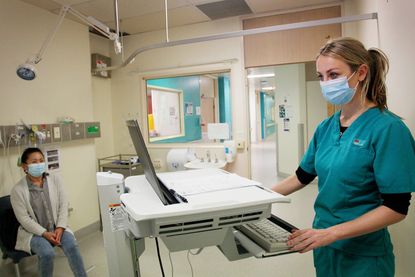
27 70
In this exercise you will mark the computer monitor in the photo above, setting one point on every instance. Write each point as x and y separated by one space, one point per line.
166 197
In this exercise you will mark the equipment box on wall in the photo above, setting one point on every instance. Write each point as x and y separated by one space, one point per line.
32 134
99 61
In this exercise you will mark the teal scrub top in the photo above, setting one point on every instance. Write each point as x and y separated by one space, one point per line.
376 154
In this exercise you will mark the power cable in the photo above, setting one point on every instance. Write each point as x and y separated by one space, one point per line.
171 263
188 259
158 254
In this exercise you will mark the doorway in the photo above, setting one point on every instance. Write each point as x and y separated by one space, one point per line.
285 105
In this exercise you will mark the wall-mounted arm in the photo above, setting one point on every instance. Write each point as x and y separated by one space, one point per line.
89 20
27 71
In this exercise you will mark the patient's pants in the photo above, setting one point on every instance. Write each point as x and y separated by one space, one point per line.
46 254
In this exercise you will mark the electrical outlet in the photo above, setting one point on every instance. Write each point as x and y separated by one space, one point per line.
157 164
240 145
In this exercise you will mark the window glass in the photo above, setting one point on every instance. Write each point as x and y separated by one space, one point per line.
180 108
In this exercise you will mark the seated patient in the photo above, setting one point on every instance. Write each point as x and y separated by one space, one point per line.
41 208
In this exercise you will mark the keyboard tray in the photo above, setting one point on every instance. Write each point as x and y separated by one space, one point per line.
257 250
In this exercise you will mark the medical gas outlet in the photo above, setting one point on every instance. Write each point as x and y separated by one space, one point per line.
21 135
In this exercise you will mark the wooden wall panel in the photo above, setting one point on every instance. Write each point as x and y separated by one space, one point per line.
291 46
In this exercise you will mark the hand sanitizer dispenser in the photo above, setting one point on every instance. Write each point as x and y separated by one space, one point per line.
230 150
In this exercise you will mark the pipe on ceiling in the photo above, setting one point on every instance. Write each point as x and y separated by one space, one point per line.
275 28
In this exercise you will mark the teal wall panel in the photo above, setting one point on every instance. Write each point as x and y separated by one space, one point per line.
191 94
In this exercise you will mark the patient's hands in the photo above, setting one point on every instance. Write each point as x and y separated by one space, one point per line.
51 237
58 234
54 237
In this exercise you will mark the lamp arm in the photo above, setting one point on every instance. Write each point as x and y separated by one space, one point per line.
116 18
117 42
90 21
94 23
38 57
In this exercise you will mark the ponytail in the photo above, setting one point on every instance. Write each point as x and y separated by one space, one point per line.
379 66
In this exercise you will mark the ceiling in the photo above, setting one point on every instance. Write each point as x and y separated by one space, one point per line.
138 16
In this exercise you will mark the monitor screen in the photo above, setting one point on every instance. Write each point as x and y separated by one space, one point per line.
162 192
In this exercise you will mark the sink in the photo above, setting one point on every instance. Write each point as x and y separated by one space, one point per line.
198 164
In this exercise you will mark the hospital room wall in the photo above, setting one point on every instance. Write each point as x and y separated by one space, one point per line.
127 87
62 88
102 100
290 92
396 39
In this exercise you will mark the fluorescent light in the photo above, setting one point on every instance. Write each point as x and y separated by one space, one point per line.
268 88
250 76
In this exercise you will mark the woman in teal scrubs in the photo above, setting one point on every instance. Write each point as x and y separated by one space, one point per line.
364 157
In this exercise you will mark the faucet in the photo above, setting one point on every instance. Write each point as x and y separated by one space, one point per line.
208 156
202 159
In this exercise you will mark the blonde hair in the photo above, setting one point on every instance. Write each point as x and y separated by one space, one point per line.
353 53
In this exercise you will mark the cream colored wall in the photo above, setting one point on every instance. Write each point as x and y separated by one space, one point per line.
396 39
253 107
62 88
102 100
127 86
316 108
290 87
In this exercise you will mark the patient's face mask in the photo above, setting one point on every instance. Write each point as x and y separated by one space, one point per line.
36 169
337 91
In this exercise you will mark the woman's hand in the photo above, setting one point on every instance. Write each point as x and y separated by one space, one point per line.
58 234
308 239
51 236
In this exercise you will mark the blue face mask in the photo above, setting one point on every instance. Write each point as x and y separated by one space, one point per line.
36 169
337 91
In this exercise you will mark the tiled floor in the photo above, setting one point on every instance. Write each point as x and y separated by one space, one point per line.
210 262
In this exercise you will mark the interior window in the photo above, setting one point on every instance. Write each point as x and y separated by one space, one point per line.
180 108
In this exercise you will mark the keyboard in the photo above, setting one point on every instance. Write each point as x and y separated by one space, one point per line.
266 234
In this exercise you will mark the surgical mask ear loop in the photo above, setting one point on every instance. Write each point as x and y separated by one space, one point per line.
355 87
348 79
